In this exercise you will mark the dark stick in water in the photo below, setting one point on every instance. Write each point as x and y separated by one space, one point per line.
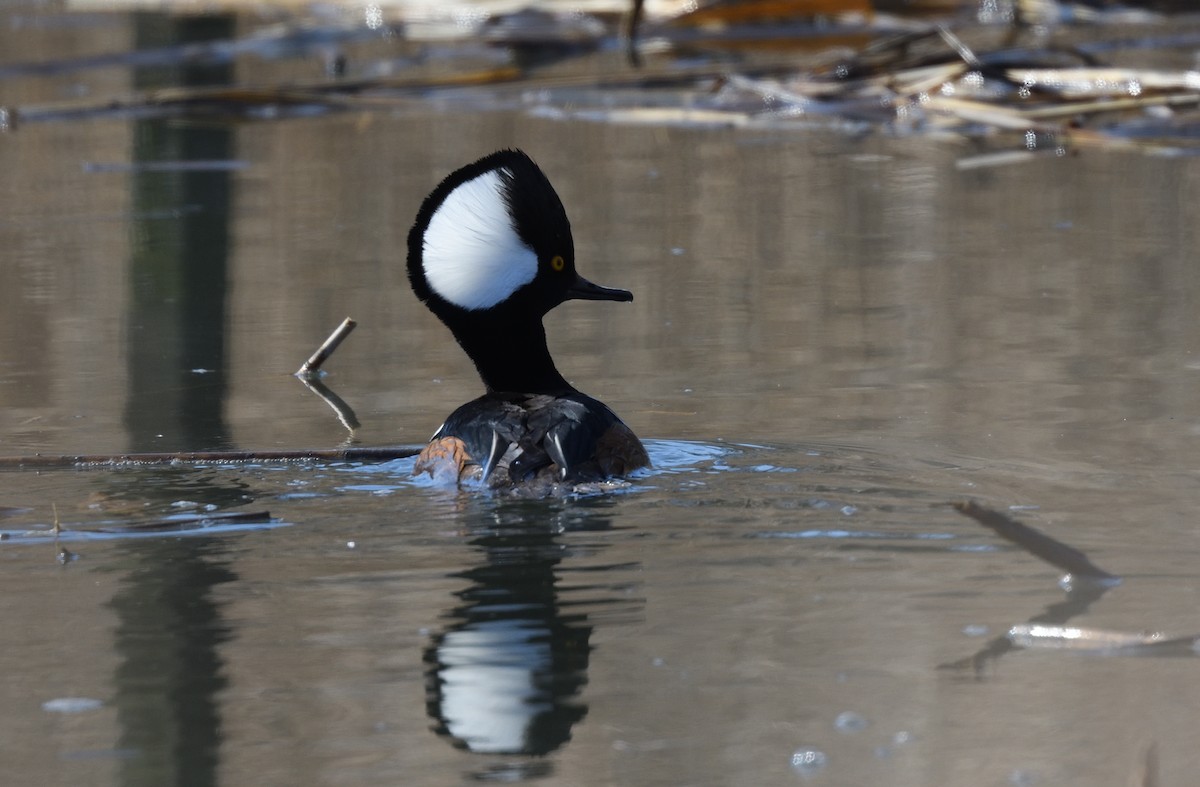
365 454
1034 542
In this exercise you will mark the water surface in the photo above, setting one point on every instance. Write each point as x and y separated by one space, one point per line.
831 338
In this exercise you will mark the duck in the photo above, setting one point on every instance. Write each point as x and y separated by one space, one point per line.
490 254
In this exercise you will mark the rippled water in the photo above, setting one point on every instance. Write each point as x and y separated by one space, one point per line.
832 338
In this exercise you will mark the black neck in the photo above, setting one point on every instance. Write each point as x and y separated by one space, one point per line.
512 356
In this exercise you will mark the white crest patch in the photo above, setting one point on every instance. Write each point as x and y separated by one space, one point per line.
473 256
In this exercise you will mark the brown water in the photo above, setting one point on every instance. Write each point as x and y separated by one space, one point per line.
831 337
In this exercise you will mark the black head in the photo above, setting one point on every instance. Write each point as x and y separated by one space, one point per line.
494 236
490 253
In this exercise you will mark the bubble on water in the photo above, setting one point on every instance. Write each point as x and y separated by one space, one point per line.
808 760
902 737
849 721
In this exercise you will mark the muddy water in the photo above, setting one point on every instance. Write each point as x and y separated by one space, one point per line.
830 338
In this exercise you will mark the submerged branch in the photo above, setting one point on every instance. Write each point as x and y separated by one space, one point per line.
1035 542
362 454
173 523
164 524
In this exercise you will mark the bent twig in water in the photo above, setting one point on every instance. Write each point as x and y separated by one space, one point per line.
313 364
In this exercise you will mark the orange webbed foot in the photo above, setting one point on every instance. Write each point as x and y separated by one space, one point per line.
446 461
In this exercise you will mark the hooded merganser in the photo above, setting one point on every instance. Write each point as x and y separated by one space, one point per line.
490 254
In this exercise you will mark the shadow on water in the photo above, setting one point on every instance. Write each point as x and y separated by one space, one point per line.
170 628
506 670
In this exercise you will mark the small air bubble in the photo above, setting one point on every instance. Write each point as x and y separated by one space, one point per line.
373 16
1020 778
849 721
808 761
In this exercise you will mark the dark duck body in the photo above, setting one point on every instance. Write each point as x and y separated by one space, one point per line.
490 254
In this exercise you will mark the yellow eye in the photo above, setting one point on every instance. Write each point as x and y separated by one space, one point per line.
558 263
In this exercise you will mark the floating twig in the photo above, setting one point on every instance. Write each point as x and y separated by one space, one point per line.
1104 641
358 454
176 522
170 523
313 364
1080 597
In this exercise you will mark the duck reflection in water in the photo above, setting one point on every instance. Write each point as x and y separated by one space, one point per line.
504 676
